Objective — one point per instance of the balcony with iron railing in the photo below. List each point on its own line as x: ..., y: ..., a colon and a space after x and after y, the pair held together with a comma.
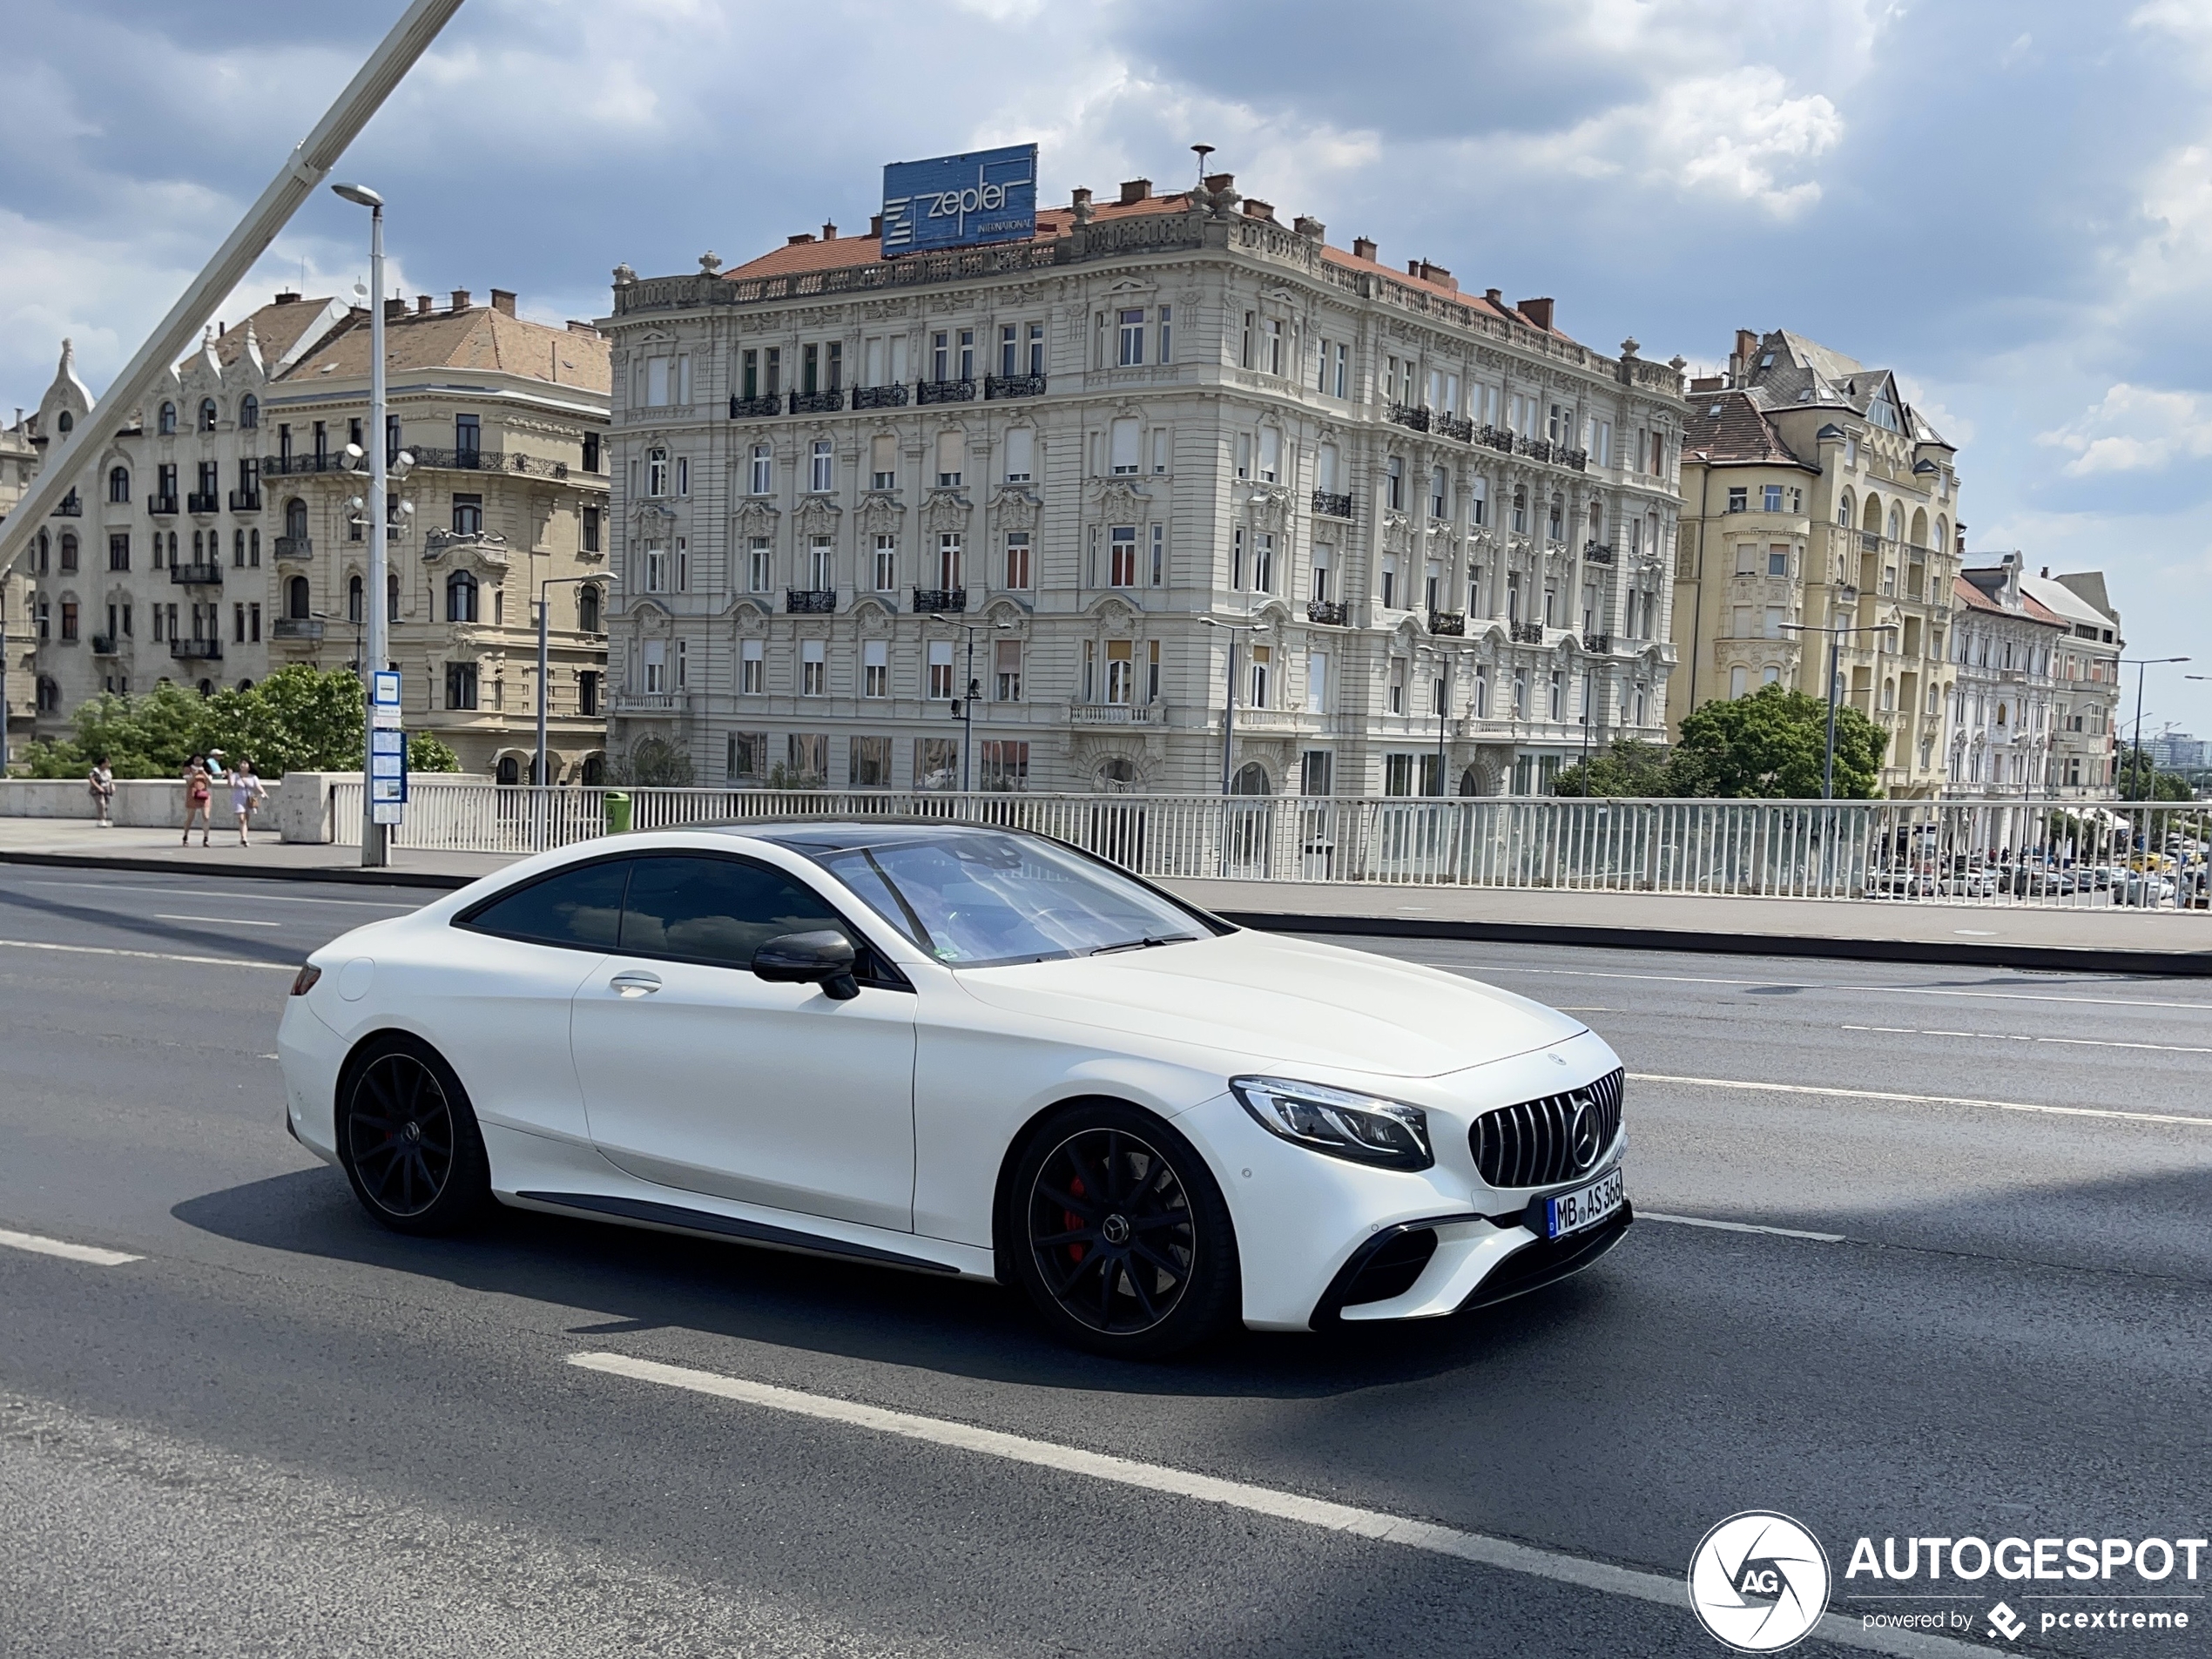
x: 753, y: 409
x: 203, y: 501
x: 1598, y: 552
x: 997, y: 386
x: 932, y: 601
x: 73, y: 508
x: 160, y: 506
x: 810, y: 602
x: 301, y: 465
x: 197, y: 576
x: 1498, y: 438
x: 1329, y: 504
x: 1455, y: 426
x: 1330, y: 613
x: 1525, y: 633
x: 1451, y: 623
x: 245, y: 500
x: 1598, y: 644
x: 295, y: 547
x: 196, y: 649
x: 1410, y: 415
x: 307, y: 631
x: 827, y: 402
x: 103, y: 644
x: 944, y: 391
x: 878, y: 397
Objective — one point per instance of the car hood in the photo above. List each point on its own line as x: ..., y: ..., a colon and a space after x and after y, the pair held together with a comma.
x: 1282, y: 1004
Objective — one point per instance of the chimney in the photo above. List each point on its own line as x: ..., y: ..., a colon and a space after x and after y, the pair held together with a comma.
x: 1739, y: 366
x: 1134, y: 191
x: 1709, y: 383
x: 1363, y: 248
x: 461, y: 299
x: 288, y: 298
x: 803, y: 236
x: 1496, y: 296
x: 221, y: 329
x: 875, y: 225
x: 1255, y: 208
x: 829, y: 232
x: 503, y: 300
x: 2046, y: 569
x: 422, y: 303
x: 1217, y: 182
x: 576, y: 328
x: 1538, y: 312
x: 394, y: 308
x: 1081, y: 198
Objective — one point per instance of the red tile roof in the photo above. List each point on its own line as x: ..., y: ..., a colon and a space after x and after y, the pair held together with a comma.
x: 1730, y: 427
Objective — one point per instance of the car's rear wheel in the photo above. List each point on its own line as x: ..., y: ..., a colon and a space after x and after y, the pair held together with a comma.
x: 1122, y: 1237
x: 409, y: 1139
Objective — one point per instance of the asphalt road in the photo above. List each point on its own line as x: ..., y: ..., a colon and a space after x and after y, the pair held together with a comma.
x: 284, y: 1430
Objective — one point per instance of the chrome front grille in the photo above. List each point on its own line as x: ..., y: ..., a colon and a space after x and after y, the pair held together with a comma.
x: 1540, y: 1142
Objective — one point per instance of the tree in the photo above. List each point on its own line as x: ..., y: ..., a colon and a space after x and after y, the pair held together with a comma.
x: 1770, y: 745
x: 1629, y: 769
x: 655, y: 762
x: 2137, y: 778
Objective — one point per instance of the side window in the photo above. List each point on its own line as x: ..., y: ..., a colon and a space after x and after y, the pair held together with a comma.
x: 716, y: 911
x: 581, y: 908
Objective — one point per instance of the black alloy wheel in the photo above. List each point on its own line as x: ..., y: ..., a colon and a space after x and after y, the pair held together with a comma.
x: 408, y: 1140
x: 1127, y: 1245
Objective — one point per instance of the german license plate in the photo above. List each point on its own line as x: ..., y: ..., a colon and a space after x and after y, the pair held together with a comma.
x: 1570, y: 1212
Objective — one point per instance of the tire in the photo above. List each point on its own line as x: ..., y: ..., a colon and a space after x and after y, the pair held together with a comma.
x: 408, y: 1138
x: 1147, y: 1272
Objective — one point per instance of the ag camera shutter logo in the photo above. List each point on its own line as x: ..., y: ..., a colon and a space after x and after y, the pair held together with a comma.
x: 1758, y: 1582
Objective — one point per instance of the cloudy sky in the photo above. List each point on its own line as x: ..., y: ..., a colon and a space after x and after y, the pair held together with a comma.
x: 2009, y: 203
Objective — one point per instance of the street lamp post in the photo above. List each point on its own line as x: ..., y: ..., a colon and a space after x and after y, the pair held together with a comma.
x: 541, y: 774
x: 964, y: 706
x: 2142, y: 666
x: 375, y: 851
x: 1229, y: 711
x: 1847, y: 597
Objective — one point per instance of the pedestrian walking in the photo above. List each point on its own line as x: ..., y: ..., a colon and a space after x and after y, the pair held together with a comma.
x: 197, y: 791
x: 247, y: 792
x: 101, y: 781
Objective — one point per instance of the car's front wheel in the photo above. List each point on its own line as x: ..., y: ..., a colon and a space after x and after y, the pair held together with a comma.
x: 1123, y: 1239
x: 409, y: 1139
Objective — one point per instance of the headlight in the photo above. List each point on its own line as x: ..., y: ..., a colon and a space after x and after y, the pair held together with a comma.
x: 1359, y: 1127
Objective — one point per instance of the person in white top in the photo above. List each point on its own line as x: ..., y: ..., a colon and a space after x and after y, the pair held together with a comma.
x: 247, y: 792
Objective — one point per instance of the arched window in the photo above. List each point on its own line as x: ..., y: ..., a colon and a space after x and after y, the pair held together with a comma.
x: 1118, y: 772
x: 1556, y: 524
x: 46, y: 554
x: 208, y: 414
x: 297, y: 601
x: 510, y: 770
x: 65, y: 423
x: 595, y: 770
x: 1943, y: 535
x: 392, y: 597
x: 1843, y: 510
x: 1251, y: 779
x: 68, y: 552
x: 118, y: 484
x: 237, y: 550
x: 295, y: 519
x: 1521, y: 512
x: 207, y: 688
x: 1897, y: 525
x: 354, y: 602
x: 249, y: 413
x: 246, y: 685
x: 253, y: 546
x: 168, y: 422
x: 587, y: 609
x: 50, y: 695
x: 461, y: 597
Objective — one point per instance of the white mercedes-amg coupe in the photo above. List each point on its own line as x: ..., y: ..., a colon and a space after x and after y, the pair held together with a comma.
x: 961, y: 1050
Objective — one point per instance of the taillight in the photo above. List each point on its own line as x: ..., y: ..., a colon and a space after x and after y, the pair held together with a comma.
x: 304, y: 980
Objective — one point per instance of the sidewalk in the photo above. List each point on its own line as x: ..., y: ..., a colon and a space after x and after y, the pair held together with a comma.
x: 2101, y: 939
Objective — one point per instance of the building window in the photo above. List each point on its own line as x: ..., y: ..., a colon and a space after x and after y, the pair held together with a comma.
x: 760, y: 565
x: 948, y: 460
x: 752, y: 671
x: 745, y: 755
x: 813, y: 672
x: 461, y: 686
x: 1132, y: 338
x: 1272, y: 341
x: 1398, y: 774
x: 119, y: 551
x: 1007, y: 669
x: 1017, y: 560
x: 1390, y: 581
x: 1396, y: 689
x: 118, y: 484
x: 467, y: 515
x: 821, y: 557
x: 657, y: 472
x: 1121, y: 562
x: 1036, y: 347
x: 1003, y: 764
x: 1778, y: 560
x: 764, y: 470
x: 939, y: 685
x: 1394, y: 486
x: 1264, y: 561
x: 1739, y: 498
x: 1020, y: 454
x: 1125, y: 445
x: 820, y: 468
x: 461, y: 597
x: 591, y: 530
x: 587, y: 608
x: 1159, y: 553
x: 885, y: 571
x: 1121, y: 665
x: 948, y: 560
x: 68, y: 552
x: 936, y: 763
x: 875, y: 668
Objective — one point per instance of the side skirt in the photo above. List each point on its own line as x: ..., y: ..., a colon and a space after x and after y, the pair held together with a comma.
x: 679, y: 1217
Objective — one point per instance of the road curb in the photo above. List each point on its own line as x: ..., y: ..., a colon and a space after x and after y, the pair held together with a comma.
x: 2055, y: 958
x: 387, y: 878
x: 2058, y: 959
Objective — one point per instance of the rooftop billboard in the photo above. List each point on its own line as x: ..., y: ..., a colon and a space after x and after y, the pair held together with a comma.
x: 960, y: 201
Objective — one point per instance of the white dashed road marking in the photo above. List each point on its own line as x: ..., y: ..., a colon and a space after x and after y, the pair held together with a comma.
x: 91, y: 1253
x: 2008, y: 1036
x: 1740, y: 1227
x: 220, y: 921
x: 1666, y: 1589
x: 145, y: 955
x: 1923, y: 1100
x: 1484, y: 968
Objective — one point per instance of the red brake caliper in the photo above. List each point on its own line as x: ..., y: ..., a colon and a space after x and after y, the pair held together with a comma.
x: 1070, y: 1220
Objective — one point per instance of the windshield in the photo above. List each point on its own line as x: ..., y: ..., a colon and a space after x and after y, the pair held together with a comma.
x: 975, y: 899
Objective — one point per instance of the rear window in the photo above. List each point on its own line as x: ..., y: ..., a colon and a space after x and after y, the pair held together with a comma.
x: 580, y: 908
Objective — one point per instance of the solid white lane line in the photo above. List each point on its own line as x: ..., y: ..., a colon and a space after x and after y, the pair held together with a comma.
x: 225, y: 922
x: 1923, y: 1100
x: 91, y: 1253
x: 144, y: 956
x: 1808, y: 985
x: 2008, y: 1036
x: 1665, y: 1589
x: 1739, y: 1227
x: 245, y: 898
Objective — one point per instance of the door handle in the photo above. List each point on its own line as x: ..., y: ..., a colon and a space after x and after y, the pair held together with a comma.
x: 635, y: 983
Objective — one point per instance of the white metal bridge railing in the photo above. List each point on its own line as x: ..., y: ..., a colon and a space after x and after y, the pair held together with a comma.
x: 2071, y: 855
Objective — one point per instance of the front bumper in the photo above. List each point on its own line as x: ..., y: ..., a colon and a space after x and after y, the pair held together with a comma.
x: 1315, y: 1234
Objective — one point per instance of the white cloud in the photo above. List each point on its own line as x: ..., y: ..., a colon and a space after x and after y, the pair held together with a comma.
x: 2135, y: 428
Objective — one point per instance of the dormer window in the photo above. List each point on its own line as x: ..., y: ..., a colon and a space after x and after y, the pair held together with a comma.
x: 208, y: 414
x: 166, y: 426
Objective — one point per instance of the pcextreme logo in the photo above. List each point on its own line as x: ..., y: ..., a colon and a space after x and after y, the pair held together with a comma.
x: 1758, y: 1581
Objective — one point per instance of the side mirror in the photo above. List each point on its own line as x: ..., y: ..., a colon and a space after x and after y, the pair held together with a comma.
x: 823, y: 958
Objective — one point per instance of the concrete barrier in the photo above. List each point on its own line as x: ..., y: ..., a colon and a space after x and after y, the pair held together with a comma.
x: 140, y: 803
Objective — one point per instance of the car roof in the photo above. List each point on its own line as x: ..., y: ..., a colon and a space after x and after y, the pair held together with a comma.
x: 837, y: 835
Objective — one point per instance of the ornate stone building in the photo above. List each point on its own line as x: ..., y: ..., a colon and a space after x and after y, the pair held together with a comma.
x: 1435, y: 529
x: 1814, y: 496
x: 2007, y: 654
x: 2087, y: 691
x: 214, y: 535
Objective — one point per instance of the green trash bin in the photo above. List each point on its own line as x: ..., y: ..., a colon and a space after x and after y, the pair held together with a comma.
x: 617, y: 812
